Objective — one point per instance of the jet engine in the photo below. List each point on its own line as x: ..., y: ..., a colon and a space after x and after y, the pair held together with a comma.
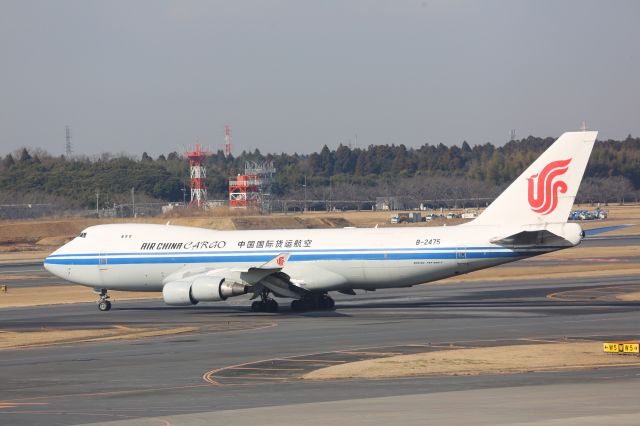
x: 202, y: 289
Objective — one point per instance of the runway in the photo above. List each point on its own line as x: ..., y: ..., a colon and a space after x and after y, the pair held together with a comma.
x: 250, y: 376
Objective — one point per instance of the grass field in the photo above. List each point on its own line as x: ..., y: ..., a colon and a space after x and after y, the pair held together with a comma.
x: 474, y: 361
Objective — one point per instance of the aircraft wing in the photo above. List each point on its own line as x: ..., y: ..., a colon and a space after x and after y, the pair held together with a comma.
x: 249, y: 275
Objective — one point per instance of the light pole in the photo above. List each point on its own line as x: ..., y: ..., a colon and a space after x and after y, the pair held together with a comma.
x: 133, y: 202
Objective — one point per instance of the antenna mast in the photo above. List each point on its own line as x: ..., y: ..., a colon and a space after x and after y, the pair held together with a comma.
x: 227, y: 141
x: 68, y: 149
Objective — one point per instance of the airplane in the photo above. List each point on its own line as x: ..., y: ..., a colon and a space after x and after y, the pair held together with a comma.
x: 191, y: 265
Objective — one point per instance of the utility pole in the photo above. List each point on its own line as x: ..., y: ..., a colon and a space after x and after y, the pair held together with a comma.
x: 133, y: 201
x: 305, y: 195
x: 330, y: 191
x: 97, y: 202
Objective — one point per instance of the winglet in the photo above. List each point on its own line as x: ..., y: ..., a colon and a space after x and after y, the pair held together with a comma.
x: 277, y: 262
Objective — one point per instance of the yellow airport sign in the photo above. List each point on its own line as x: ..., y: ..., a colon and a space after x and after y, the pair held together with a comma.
x: 631, y: 348
x: 612, y: 347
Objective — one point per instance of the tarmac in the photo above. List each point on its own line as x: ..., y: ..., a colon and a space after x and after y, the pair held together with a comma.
x: 217, y: 376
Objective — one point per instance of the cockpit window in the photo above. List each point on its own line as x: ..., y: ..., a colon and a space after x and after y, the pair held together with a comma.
x: 82, y: 235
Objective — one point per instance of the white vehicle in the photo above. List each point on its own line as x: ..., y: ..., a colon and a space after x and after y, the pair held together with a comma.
x: 191, y: 265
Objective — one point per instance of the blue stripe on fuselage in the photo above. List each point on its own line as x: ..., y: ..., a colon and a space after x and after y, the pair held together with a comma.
x: 275, y: 251
x: 265, y: 257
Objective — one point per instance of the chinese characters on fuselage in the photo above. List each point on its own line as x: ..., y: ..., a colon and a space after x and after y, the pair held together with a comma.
x: 250, y: 244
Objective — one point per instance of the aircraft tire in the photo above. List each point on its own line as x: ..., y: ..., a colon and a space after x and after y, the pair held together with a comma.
x: 104, y: 305
x: 256, y: 306
x: 328, y: 303
x: 309, y: 304
x: 296, y: 306
x: 271, y: 306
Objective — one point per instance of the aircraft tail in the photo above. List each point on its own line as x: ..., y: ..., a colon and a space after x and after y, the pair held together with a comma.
x: 545, y: 192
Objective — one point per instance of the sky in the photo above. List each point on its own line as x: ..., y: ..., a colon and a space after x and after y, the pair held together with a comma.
x: 292, y: 75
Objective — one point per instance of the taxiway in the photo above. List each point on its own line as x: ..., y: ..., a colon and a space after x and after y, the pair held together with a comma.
x: 251, y: 376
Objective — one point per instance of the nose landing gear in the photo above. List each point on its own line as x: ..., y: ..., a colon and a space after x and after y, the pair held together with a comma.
x: 103, y: 302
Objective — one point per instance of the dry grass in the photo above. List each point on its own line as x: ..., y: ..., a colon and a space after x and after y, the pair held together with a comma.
x: 549, y: 272
x: 629, y: 297
x: 585, y: 252
x: 17, y: 297
x: 23, y: 255
x: 21, y: 339
x: 493, y: 360
x: 53, y: 232
x: 12, y: 277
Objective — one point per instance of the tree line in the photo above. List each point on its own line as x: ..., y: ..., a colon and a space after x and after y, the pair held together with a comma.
x: 428, y: 172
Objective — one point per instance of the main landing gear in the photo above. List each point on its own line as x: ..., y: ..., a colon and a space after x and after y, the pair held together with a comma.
x: 265, y: 304
x: 313, y: 302
x: 103, y: 303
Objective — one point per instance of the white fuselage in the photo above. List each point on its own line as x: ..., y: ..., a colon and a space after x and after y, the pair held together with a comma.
x: 139, y: 257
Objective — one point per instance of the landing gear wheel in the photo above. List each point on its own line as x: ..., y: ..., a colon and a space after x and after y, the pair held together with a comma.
x: 271, y: 305
x: 103, y: 303
x: 297, y: 306
x: 313, y: 302
x: 265, y: 305
x: 327, y: 303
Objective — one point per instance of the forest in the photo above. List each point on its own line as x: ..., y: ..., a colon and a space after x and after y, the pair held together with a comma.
x: 424, y: 174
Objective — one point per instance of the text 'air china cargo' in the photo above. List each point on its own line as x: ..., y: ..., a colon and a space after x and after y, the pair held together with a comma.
x: 191, y: 265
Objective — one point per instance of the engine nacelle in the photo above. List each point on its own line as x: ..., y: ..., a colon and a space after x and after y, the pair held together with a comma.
x: 178, y: 293
x: 214, y: 289
x: 202, y: 289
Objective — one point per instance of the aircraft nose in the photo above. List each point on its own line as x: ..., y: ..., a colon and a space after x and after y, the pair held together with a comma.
x: 53, y: 264
x: 47, y: 264
x: 50, y: 266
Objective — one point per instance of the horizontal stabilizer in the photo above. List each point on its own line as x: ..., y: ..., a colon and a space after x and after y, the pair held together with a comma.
x: 526, y: 239
x: 596, y: 231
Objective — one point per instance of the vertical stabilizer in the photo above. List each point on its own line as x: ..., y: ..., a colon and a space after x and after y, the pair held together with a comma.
x: 545, y: 192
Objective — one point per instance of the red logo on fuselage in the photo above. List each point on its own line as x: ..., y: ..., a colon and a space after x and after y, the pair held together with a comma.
x: 280, y: 261
x: 544, y: 187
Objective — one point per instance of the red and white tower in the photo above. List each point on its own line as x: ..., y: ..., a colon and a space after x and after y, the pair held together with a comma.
x: 253, y: 189
x: 244, y: 192
x: 198, y: 172
x: 227, y: 141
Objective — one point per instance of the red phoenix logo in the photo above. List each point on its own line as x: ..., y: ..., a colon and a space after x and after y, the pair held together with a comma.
x: 544, y: 187
x: 280, y: 261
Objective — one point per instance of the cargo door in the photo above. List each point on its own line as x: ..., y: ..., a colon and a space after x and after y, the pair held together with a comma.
x: 461, y: 259
x: 103, y: 262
